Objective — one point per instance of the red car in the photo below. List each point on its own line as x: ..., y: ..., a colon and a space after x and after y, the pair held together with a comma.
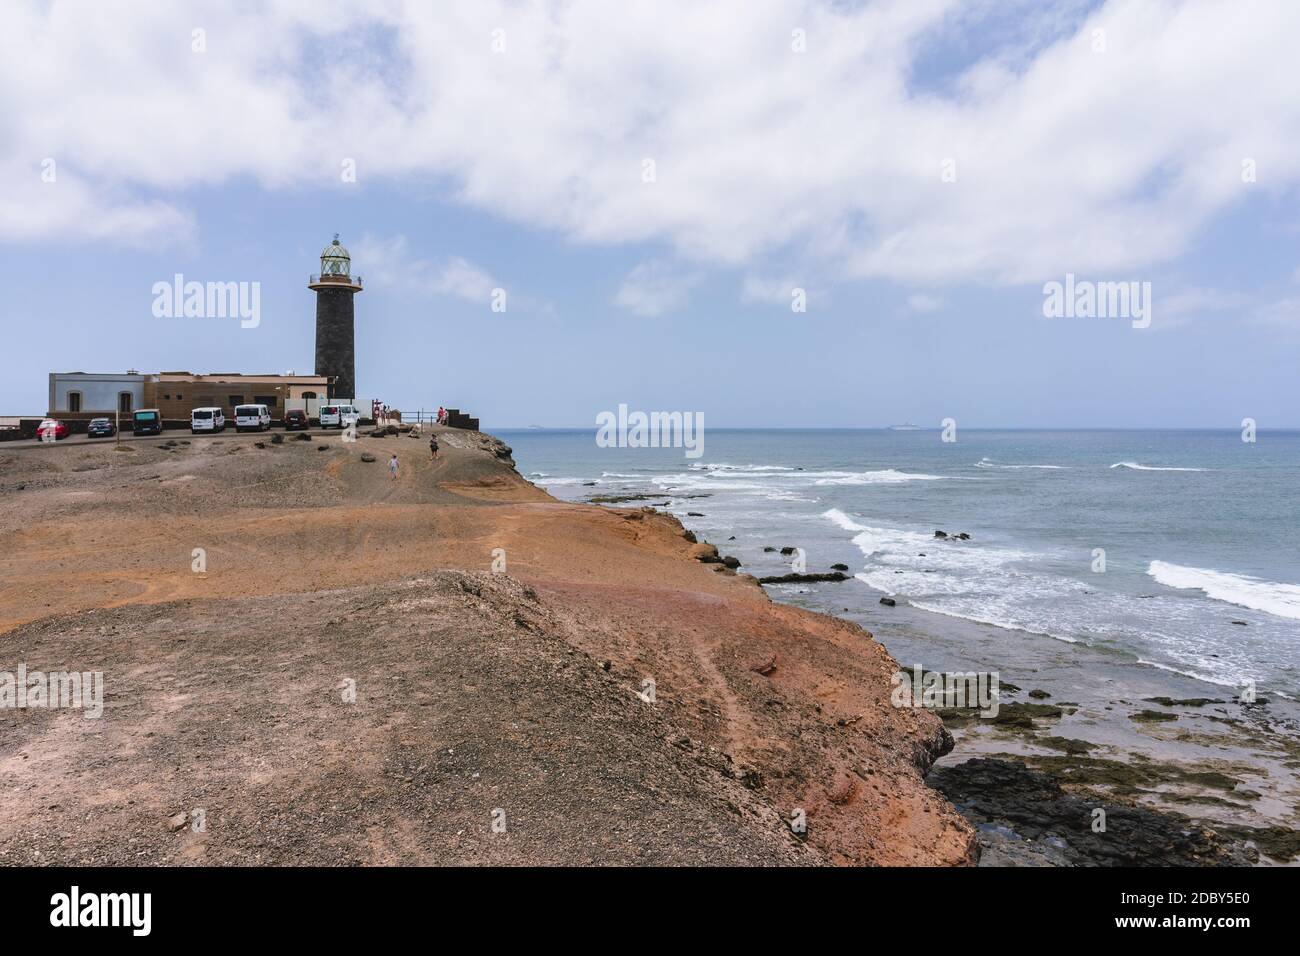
x: 52, y: 430
x: 295, y: 418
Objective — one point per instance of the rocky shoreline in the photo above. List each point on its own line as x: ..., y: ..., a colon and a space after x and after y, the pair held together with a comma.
x: 1031, y: 789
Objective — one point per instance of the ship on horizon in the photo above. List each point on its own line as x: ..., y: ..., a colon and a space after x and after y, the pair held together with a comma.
x: 905, y: 427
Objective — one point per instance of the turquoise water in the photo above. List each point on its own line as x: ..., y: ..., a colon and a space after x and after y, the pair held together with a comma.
x: 1200, y: 530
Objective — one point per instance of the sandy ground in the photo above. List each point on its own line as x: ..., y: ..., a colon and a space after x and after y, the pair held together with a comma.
x: 567, y: 671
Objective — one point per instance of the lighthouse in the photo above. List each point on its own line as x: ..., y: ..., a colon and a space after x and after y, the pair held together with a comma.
x: 335, y: 334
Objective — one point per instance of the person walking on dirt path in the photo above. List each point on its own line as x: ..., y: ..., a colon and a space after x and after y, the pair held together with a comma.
x: 433, y: 447
x: 392, y: 467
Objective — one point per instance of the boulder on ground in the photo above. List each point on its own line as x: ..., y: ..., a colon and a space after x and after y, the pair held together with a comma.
x: 366, y: 456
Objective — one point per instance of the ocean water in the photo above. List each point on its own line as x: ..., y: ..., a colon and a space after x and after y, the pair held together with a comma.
x: 1199, y: 529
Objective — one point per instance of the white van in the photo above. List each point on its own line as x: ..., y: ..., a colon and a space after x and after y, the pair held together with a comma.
x: 338, y: 416
x: 254, y: 417
x: 207, y: 420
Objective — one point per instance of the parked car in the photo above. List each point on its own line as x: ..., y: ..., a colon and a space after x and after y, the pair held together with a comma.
x: 295, y: 419
x: 101, y: 428
x: 51, y: 429
x: 252, y: 418
x: 338, y: 416
x: 147, y: 421
x: 207, y: 420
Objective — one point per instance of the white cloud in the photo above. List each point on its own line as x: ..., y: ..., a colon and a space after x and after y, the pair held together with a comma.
x: 1184, y: 306
x: 653, y: 288
x: 462, y: 278
x: 770, y: 291
x: 1283, y: 313
x: 923, y: 302
x: 389, y: 263
x: 1066, y: 160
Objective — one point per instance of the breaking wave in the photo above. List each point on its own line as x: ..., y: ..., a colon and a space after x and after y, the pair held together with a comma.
x: 1282, y: 600
x: 1136, y: 467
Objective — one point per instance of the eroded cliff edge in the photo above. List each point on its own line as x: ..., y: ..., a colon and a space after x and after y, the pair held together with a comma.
x: 570, y: 669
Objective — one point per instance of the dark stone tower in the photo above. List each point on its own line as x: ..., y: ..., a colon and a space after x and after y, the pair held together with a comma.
x: 335, y: 338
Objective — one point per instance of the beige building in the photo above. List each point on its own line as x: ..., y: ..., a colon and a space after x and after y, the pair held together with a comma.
x: 75, y: 396
x: 176, y: 393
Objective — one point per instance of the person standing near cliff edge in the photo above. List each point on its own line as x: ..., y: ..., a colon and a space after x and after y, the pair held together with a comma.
x: 433, y: 447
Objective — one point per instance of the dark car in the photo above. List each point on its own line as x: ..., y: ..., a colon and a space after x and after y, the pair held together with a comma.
x: 295, y: 419
x: 101, y: 428
x: 147, y: 421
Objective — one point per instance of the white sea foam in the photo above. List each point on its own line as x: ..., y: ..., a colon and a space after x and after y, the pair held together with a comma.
x: 724, y: 466
x: 976, y: 582
x: 724, y: 476
x: 987, y: 617
x: 1282, y: 600
x: 843, y: 520
x: 886, y: 476
x: 1136, y: 467
x: 990, y: 463
x: 688, y: 483
x: 780, y: 495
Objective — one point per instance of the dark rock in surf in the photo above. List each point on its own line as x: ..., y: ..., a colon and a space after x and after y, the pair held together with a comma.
x: 803, y: 578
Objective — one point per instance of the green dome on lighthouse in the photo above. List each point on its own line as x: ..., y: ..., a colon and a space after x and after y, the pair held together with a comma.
x: 334, y: 259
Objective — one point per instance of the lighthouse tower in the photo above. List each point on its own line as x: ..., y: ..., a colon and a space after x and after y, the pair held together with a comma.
x: 335, y: 336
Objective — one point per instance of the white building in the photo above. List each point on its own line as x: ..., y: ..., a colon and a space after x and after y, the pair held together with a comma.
x: 104, y: 392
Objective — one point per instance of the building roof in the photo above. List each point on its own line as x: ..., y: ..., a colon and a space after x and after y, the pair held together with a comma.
x: 238, y: 376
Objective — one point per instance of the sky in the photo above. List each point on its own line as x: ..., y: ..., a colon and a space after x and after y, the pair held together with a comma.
x: 653, y: 188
